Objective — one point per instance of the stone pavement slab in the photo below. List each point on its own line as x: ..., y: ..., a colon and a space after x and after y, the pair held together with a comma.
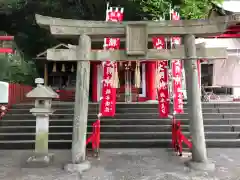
x: 124, y: 164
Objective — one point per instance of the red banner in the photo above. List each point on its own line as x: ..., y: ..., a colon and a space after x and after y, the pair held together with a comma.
x: 177, y: 86
x: 108, y: 102
x: 112, y: 43
x: 115, y: 14
x: 175, y: 40
x: 158, y: 42
x: 162, y: 89
x: 162, y: 84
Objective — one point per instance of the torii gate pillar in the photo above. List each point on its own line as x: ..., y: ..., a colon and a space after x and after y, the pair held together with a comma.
x: 79, y: 163
x: 199, y: 153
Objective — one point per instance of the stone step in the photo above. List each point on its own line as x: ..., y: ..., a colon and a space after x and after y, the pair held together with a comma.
x: 127, y: 115
x: 130, y: 143
x: 128, y: 110
x: 117, y: 122
x: 118, y: 135
x: 116, y: 128
x: 133, y: 105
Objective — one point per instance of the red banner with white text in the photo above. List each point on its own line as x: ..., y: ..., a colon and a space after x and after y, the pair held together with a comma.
x: 159, y: 42
x: 162, y: 89
x: 108, y: 102
x: 162, y: 78
x: 177, y: 72
x: 177, y: 86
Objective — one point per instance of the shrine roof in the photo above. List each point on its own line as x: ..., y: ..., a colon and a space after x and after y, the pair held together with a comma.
x: 43, y: 54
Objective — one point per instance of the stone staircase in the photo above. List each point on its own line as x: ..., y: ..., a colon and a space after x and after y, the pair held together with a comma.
x: 134, y: 126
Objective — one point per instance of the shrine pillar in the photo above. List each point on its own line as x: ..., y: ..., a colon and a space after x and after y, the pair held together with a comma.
x: 150, y: 80
x: 94, y: 82
x: 199, y: 159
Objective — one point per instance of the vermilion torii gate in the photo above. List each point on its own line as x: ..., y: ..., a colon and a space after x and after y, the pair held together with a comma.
x: 136, y: 35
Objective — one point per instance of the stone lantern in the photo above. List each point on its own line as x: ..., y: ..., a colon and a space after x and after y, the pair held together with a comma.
x: 43, y: 96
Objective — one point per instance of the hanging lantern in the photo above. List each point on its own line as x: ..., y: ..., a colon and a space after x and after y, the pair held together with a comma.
x: 137, y: 75
x: 63, y: 68
x: 54, y: 67
x: 115, y: 77
x: 72, y: 68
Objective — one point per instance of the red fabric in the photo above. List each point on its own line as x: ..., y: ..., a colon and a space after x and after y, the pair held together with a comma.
x: 6, y: 38
x: 163, y: 95
x: 6, y: 50
x: 177, y: 86
x: 94, y: 82
x: 108, y: 101
x: 150, y: 80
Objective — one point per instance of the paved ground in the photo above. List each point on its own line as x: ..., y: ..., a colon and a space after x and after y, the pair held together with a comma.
x: 125, y: 164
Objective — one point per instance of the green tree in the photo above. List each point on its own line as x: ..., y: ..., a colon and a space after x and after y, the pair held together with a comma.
x: 189, y: 9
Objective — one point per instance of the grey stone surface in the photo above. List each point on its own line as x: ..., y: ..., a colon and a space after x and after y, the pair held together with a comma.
x: 178, y: 53
x: 125, y: 164
x: 195, y: 115
x: 81, y: 101
x: 77, y: 168
x: 201, y: 166
x: 36, y: 160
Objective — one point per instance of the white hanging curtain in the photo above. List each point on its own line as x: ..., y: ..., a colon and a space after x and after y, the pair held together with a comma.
x: 226, y: 72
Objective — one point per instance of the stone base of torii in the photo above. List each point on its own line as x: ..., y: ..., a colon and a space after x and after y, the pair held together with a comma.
x: 137, y: 35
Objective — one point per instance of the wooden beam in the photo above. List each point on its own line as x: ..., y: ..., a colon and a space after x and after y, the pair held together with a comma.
x: 45, y: 73
x: 6, y: 50
x: 6, y: 38
x: 226, y: 36
x: 120, y: 55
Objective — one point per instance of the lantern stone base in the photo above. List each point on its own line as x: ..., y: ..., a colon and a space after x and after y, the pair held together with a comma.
x: 79, y: 168
x: 201, y: 166
x: 37, y: 160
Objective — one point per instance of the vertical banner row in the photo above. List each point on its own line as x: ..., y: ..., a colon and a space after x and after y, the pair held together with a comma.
x: 177, y: 86
x: 177, y: 69
x: 162, y: 90
x: 162, y: 79
x: 108, y: 99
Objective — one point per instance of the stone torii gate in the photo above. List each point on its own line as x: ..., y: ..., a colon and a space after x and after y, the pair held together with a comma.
x: 136, y: 36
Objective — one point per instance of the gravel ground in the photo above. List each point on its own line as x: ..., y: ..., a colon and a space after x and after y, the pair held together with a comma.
x: 124, y: 164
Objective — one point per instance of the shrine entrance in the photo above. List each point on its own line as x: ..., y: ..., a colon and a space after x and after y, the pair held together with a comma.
x: 129, y: 89
x: 137, y: 35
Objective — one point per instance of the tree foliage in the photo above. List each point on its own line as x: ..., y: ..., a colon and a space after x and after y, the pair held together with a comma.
x: 188, y: 9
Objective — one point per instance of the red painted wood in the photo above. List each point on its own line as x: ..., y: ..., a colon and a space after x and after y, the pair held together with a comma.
x: 94, y: 82
x: 150, y: 80
x: 6, y: 38
x: 226, y: 36
x: 6, y: 50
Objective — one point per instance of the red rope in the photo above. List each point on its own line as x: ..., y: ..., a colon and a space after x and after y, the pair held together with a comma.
x: 178, y: 138
x: 94, y: 138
